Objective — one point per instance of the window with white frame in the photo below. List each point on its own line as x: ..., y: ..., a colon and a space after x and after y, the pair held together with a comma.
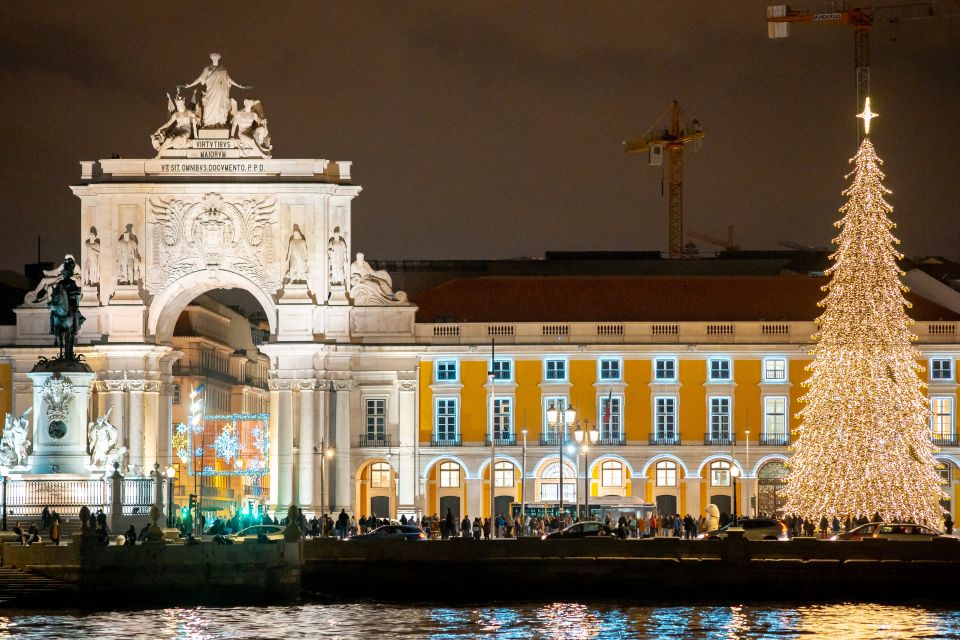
x: 550, y: 483
x: 611, y: 474
x: 376, y: 413
x: 446, y: 371
x: 665, y: 370
x: 502, y: 418
x: 719, y: 417
x: 611, y: 417
x: 380, y: 475
x: 941, y: 369
x: 775, y: 416
x: 176, y: 394
x: 446, y: 427
x: 611, y: 369
x: 720, y: 473
x: 774, y: 370
x: 504, y: 474
x: 449, y: 475
x: 665, y: 417
x: 719, y: 369
x: 941, y: 410
x: 555, y: 370
x: 666, y: 473
x: 502, y: 370
x: 560, y: 404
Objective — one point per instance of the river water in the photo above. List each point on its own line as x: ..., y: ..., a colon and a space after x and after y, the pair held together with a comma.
x: 557, y: 620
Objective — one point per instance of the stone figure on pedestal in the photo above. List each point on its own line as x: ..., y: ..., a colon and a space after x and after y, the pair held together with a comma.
x: 216, y: 93
x: 250, y: 128
x: 338, y: 257
x: 63, y: 300
x: 128, y: 257
x: 102, y: 438
x: 372, y: 288
x: 178, y: 130
x: 297, y: 257
x: 41, y: 294
x: 91, y: 259
x: 13, y: 445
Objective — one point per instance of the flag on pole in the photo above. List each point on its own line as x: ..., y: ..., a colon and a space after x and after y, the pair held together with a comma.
x: 607, y: 415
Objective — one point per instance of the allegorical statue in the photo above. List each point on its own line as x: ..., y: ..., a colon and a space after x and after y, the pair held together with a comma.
x: 91, y: 259
x: 297, y: 256
x: 14, y: 443
x: 176, y: 132
x: 250, y: 127
x: 63, y: 300
x: 338, y: 257
x: 128, y: 257
x: 216, y: 83
x: 102, y: 438
x: 372, y: 288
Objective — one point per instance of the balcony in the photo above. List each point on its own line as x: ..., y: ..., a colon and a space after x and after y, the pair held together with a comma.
x: 664, y: 440
x: 374, y: 440
x: 446, y: 441
x: 508, y: 440
x: 945, y: 439
x: 552, y: 439
x: 612, y: 440
x: 774, y: 440
x: 719, y: 440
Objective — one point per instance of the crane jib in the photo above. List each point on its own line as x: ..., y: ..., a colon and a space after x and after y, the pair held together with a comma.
x: 827, y: 16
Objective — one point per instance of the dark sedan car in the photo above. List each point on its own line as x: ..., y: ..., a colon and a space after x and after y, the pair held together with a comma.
x: 582, y: 530
x: 394, y: 532
x: 890, y: 531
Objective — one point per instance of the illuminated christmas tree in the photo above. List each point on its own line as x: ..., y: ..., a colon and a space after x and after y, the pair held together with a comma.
x: 864, y: 445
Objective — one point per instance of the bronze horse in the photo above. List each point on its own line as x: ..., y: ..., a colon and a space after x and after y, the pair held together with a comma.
x: 65, y: 318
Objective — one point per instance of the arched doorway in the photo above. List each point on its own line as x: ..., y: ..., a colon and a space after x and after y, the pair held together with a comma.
x: 548, y: 483
x: 666, y: 476
x: 446, y: 485
x: 720, y: 479
x: 771, y: 479
x: 376, y: 490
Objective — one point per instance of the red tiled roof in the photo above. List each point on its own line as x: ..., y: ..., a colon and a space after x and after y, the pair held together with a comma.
x: 635, y: 299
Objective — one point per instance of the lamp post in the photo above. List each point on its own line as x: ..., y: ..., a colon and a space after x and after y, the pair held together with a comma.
x: 564, y: 417
x: 324, y: 452
x: 523, y: 480
x: 734, y: 472
x: 171, y: 474
x: 584, y: 440
x: 5, y: 472
x: 749, y: 488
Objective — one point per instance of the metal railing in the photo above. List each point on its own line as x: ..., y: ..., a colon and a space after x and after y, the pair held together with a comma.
x: 774, y: 439
x: 945, y: 439
x: 552, y: 439
x: 612, y: 439
x: 502, y: 441
x: 722, y: 439
x: 446, y: 441
x: 374, y: 440
x: 29, y: 497
x: 136, y: 495
x: 664, y: 440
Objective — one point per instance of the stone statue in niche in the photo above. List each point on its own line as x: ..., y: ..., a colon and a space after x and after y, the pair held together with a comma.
x: 297, y: 257
x: 176, y: 132
x: 102, y: 438
x: 250, y: 128
x: 372, y: 288
x: 128, y: 257
x: 215, y: 103
x: 91, y: 259
x: 13, y: 445
x: 338, y: 257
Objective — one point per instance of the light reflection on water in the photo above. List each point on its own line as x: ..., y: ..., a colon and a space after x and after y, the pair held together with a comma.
x: 568, y: 620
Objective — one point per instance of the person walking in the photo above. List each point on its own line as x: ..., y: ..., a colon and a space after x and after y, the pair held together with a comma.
x: 55, y: 529
x: 465, y: 529
x: 343, y: 523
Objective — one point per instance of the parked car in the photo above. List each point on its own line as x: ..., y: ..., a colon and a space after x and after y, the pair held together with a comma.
x: 753, y: 529
x: 394, y: 532
x: 582, y: 530
x: 890, y: 531
x: 273, y: 532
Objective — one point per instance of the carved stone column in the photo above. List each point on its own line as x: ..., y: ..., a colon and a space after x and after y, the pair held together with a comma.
x: 341, y: 485
x: 151, y: 423
x: 136, y: 429
x: 323, y: 431
x: 305, y: 474
x: 281, y: 457
x: 407, y: 427
x: 164, y: 425
x: 116, y: 405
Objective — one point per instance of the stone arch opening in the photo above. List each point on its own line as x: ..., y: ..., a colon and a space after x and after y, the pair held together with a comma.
x: 771, y: 482
x: 376, y: 489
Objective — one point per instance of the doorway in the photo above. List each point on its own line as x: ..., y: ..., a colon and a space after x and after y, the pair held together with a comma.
x: 452, y: 503
x: 380, y: 506
x: 667, y: 505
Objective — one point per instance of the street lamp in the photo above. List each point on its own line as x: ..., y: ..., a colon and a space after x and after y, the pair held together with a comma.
x: 734, y: 472
x: 171, y: 477
x: 523, y: 480
x: 584, y: 440
x: 5, y: 472
x: 324, y: 452
x: 565, y: 417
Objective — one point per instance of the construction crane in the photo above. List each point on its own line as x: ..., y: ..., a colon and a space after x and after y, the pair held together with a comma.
x: 654, y: 143
x: 728, y: 244
x: 862, y: 20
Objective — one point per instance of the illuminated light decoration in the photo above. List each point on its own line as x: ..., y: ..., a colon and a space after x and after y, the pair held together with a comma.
x: 864, y: 445
x: 179, y: 442
x: 227, y: 444
x: 243, y: 444
x: 866, y: 115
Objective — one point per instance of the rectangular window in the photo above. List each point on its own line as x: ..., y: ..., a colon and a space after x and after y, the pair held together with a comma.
x: 503, y: 474
x: 611, y: 474
x: 665, y: 370
x: 775, y: 415
x: 502, y: 418
x: 560, y: 403
x: 774, y: 370
x: 941, y: 408
x: 719, y: 418
x: 666, y: 475
x: 719, y: 369
x: 446, y: 419
x: 446, y: 371
x: 941, y: 369
x: 449, y: 475
x: 665, y: 417
x: 555, y: 370
x: 610, y: 369
x: 502, y: 370
x: 611, y: 417
x: 719, y: 476
x: 176, y: 394
x: 376, y: 418
x: 380, y: 476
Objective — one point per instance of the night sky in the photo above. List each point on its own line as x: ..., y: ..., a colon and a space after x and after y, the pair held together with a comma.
x: 494, y: 129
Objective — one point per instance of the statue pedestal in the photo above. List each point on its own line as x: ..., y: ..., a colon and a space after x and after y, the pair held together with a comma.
x: 338, y: 296
x: 126, y: 294
x: 295, y: 314
x: 91, y: 297
x: 67, y: 453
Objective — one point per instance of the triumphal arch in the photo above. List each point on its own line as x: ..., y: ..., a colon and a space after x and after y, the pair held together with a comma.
x: 213, y: 208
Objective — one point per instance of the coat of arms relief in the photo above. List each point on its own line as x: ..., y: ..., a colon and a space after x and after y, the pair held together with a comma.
x: 186, y: 236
